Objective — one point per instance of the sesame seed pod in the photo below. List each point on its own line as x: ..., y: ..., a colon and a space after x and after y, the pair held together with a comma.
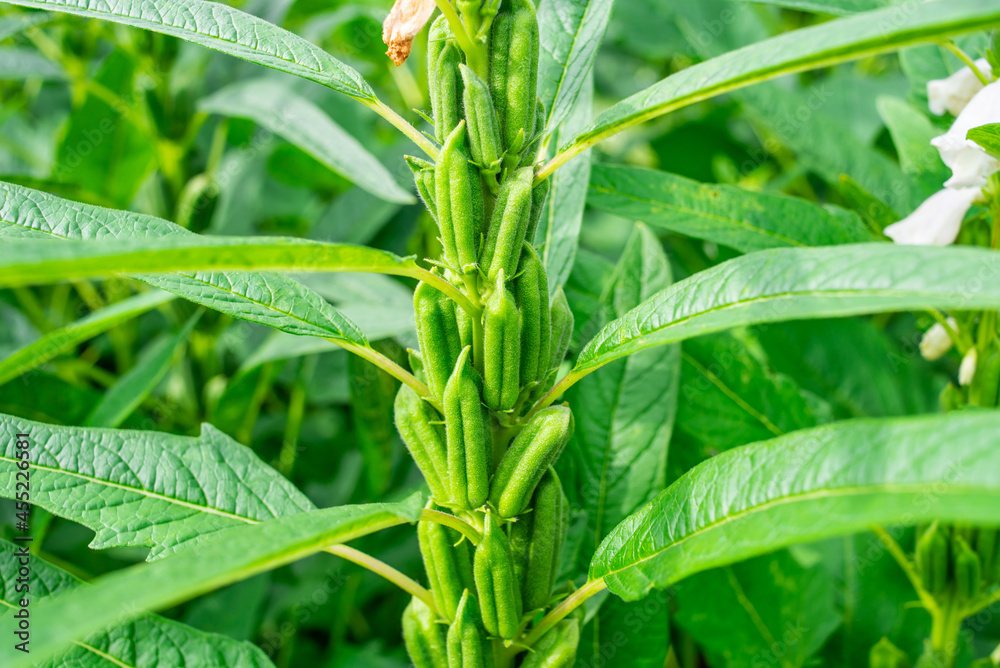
x: 508, y: 226
x: 415, y: 420
x: 496, y: 586
x: 501, y: 348
x: 438, y: 334
x: 468, y: 436
x: 424, y: 636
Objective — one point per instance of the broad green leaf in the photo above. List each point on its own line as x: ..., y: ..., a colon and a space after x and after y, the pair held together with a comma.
x: 618, y: 454
x: 571, y: 33
x: 59, y: 341
x: 850, y: 475
x: 821, y: 45
x: 148, y: 641
x: 728, y: 398
x: 558, y: 231
x: 48, y: 398
x: 40, y: 261
x: 835, y: 7
x: 855, y: 366
x: 147, y: 489
x: 274, y: 105
x: 18, y: 63
x: 796, y: 283
x: 135, y: 385
x: 12, y: 24
x: 225, y: 29
x: 728, y: 215
x: 911, y: 133
x: 266, y: 298
x: 229, y: 556
x: 775, y: 610
x: 987, y: 136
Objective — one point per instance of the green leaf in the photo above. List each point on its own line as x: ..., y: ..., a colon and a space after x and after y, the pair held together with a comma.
x: 229, y: 556
x: 122, y: 398
x: 821, y: 45
x: 987, y: 136
x: 274, y: 105
x: 618, y: 453
x: 14, y: 24
x: 18, y: 63
x: 911, y: 133
x: 835, y: 7
x: 265, y: 298
x: 728, y: 215
x: 147, y: 641
x: 41, y: 261
x: 773, y: 610
x: 571, y: 32
x: 182, y: 489
x: 806, y: 486
x: 225, y: 29
x: 58, y: 341
x: 796, y: 283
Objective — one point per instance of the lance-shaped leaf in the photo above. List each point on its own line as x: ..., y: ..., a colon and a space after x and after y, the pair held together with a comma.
x: 225, y: 29
x: 277, y: 107
x: 821, y: 45
x: 799, y: 283
x: 738, y: 218
x: 148, y: 641
x: 266, y: 298
x: 836, y: 7
x: 58, y: 341
x: 147, y: 489
x: 806, y: 486
x: 571, y: 33
x: 226, y: 557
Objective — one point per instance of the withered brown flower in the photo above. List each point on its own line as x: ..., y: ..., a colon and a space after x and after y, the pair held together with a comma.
x: 403, y: 23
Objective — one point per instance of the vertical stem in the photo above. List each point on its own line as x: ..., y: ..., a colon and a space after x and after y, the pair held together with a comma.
x: 947, y: 623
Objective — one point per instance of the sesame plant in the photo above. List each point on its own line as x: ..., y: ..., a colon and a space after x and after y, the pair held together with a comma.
x: 829, y: 497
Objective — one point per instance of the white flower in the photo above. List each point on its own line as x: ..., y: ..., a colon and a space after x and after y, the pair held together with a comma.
x: 404, y: 22
x: 969, y: 163
x: 967, y: 371
x: 953, y: 93
x: 937, y: 221
x: 937, y: 341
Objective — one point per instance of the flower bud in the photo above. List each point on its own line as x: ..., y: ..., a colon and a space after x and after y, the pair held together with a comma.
x: 937, y: 341
x: 967, y: 371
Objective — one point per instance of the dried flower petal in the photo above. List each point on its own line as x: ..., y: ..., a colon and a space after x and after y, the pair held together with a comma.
x: 404, y: 22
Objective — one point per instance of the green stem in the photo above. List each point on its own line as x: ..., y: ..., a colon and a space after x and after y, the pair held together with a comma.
x: 947, y: 623
x: 475, y: 55
x: 417, y: 137
x: 964, y: 57
x: 385, y: 570
x: 452, y: 522
x: 475, y: 312
x: 926, y: 599
x: 558, y: 389
x: 390, y: 367
x: 575, y: 600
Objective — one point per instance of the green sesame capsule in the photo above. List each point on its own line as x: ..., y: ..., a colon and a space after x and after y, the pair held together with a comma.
x: 443, y: 58
x: 501, y: 349
x: 562, y: 328
x: 466, y: 646
x: 423, y: 177
x: 514, y: 70
x: 528, y: 458
x: 531, y: 151
x: 482, y: 122
x: 538, y: 196
x: 459, y: 199
x: 932, y: 559
x: 424, y: 636
x: 886, y: 655
x: 508, y: 226
x: 557, y: 648
x: 468, y: 436
x: 531, y: 291
x: 448, y: 562
x: 437, y: 330
x: 968, y: 569
x: 550, y: 521
x: 496, y: 585
x: 417, y: 422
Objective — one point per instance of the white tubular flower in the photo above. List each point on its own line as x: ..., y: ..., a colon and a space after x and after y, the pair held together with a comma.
x: 953, y: 93
x: 969, y: 163
x: 937, y: 221
x: 967, y: 371
x: 937, y: 341
x: 404, y: 22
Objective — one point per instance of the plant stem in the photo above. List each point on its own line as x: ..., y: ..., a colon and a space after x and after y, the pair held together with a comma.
x: 385, y: 570
x: 911, y: 574
x: 557, y: 390
x: 456, y: 295
x: 391, y: 368
x: 969, y: 62
x: 947, y: 623
x: 475, y: 55
x: 452, y: 522
x: 417, y: 137
x: 558, y: 613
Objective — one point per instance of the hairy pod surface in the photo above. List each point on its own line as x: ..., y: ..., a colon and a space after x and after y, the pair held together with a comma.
x: 557, y: 648
x: 482, y: 123
x: 418, y: 425
x: 932, y: 559
x: 538, y: 197
x: 423, y: 177
x: 501, y: 349
x: 968, y: 569
x: 514, y: 71
x: 548, y: 530
x: 438, y: 334
x: 424, y: 636
x: 468, y: 436
x: 562, y: 329
x: 443, y: 58
x: 448, y: 562
x: 459, y: 197
x: 508, y: 226
x: 531, y: 151
x: 466, y: 648
x: 496, y: 585
x: 531, y: 291
x: 528, y: 458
